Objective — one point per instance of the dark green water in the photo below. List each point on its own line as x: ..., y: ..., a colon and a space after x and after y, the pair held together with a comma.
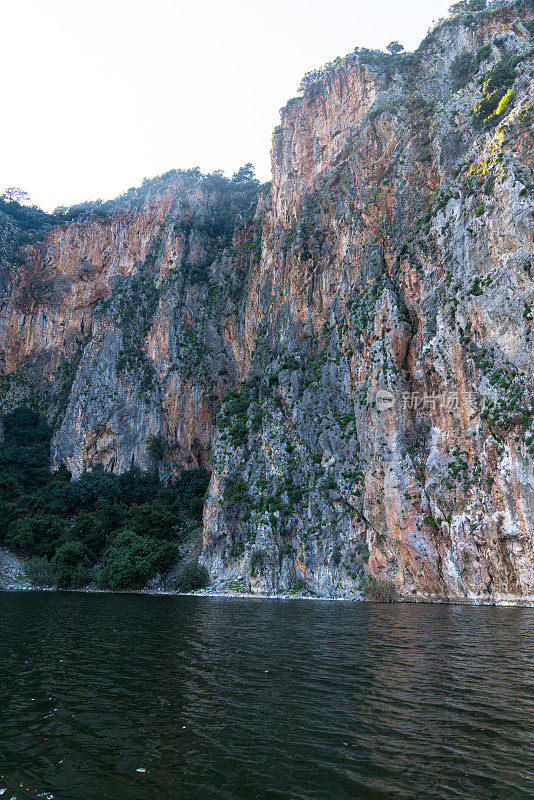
x: 263, y: 699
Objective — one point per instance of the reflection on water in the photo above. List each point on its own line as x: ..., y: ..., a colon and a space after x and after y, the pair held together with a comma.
x: 127, y: 697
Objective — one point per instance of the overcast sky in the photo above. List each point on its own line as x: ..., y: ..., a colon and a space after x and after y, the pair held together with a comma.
x: 98, y: 95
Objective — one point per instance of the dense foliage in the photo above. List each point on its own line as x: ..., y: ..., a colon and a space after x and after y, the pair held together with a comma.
x: 20, y: 224
x: 115, y: 530
x: 193, y: 576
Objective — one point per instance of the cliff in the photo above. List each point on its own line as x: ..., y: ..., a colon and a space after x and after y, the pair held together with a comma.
x: 118, y: 324
x: 365, y: 321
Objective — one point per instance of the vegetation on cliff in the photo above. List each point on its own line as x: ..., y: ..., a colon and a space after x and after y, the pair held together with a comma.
x: 397, y: 62
x: 20, y: 224
x: 117, y: 531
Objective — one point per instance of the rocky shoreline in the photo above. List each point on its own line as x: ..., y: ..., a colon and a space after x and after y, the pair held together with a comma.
x: 13, y: 579
x: 507, y: 602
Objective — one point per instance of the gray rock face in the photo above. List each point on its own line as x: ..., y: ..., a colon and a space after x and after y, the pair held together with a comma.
x: 385, y: 428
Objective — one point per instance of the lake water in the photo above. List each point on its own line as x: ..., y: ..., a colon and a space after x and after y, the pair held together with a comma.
x: 225, y: 698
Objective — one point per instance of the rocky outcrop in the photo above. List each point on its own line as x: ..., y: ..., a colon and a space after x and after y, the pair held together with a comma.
x: 366, y: 321
x: 12, y: 574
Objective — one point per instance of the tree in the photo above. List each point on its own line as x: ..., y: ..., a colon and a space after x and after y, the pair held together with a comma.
x: 196, y: 508
x: 395, y: 48
x: 71, y: 565
x: 193, y: 576
x: 158, y: 519
x: 193, y: 483
x: 131, y: 560
x: 128, y: 521
x: 156, y: 446
x: 36, y: 535
x: 462, y: 69
x: 313, y: 76
x: 467, y: 5
x: 39, y: 571
x: 15, y: 195
x: 244, y: 174
x: 88, y: 529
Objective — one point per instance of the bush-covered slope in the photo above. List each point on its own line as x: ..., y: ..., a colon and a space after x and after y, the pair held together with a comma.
x: 116, y: 531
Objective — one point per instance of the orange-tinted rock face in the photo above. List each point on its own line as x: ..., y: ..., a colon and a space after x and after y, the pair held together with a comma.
x: 387, y: 306
x: 118, y: 324
x: 314, y: 134
x: 68, y: 273
x: 374, y: 315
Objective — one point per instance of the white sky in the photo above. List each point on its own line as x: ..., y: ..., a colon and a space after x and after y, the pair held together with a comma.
x: 98, y: 95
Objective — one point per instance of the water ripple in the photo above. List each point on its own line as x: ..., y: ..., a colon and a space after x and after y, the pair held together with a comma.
x: 112, y: 697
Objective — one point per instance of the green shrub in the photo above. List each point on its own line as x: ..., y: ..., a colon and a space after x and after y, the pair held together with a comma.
x: 156, y: 446
x: 239, y: 432
x: 28, y: 224
x: 258, y: 560
x: 25, y: 450
x: 193, y: 576
x: 489, y: 186
x: 35, y: 535
x: 236, y: 491
x: 379, y: 590
x: 196, y: 508
x: 476, y: 288
x: 496, y: 93
x: 192, y: 484
x: 82, y: 515
x: 463, y: 6
x: 39, y: 572
x: 93, y: 528
x: 505, y: 102
x: 131, y: 560
x: 462, y: 70
x: 483, y: 53
x: 157, y: 519
x: 237, y: 549
x: 330, y: 483
x: 71, y: 565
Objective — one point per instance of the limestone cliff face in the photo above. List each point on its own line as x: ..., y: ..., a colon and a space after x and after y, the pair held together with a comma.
x: 372, y: 319
x: 385, y: 426
x: 119, y: 324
